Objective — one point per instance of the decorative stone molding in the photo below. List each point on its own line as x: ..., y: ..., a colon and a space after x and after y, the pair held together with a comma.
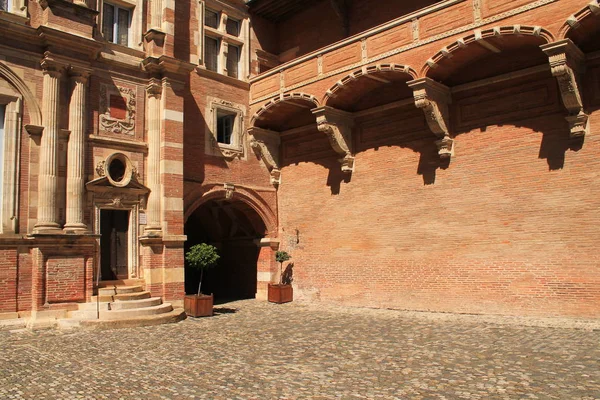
x: 117, y: 109
x: 235, y: 149
x: 433, y: 98
x: 309, y: 98
x: 567, y: 63
x: 265, y: 144
x: 229, y: 189
x: 337, y: 125
x: 574, y: 20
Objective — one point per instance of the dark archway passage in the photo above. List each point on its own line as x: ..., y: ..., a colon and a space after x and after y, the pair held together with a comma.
x: 233, y: 227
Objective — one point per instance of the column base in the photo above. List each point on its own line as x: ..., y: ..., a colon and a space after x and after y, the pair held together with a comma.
x: 76, y: 229
x: 47, y: 227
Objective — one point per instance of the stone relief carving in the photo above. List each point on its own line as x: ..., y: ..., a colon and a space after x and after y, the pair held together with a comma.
x: 337, y: 125
x: 433, y: 98
x: 566, y: 64
x: 229, y: 189
x: 101, y: 168
x: 117, y: 118
x: 265, y: 144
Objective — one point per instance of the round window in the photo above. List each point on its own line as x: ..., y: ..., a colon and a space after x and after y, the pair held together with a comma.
x: 118, y: 169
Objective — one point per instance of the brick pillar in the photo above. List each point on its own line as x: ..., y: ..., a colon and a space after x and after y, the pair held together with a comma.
x: 266, y: 268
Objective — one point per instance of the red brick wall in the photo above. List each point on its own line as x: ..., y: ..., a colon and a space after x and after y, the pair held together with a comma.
x: 65, y: 279
x: 8, y: 280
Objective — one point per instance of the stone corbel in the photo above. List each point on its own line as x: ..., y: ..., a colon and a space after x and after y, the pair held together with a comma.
x: 265, y: 144
x: 433, y: 98
x: 337, y: 125
x: 567, y: 64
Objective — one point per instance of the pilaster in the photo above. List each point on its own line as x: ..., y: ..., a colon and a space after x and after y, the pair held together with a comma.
x: 265, y: 144
x: 153, y: 101
x: 76, y: 153
x: 433, y: 98
x: 337, y: 125
x: 567, y: 63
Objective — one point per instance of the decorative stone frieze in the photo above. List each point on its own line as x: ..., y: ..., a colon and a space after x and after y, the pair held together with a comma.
x: 337, y: 125
x: 567, y: 64
x: 433, y: 98
x: 117, y: 109
x: 265, y: 144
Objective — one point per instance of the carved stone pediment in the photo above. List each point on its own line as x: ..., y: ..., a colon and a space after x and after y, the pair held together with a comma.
x: 433, y: 98
x: 265, y: 144
x: 567, y: 64
x: 102, y: 185
x: 337, y: 125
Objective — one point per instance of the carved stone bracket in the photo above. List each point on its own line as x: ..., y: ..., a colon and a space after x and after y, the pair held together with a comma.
x: 433, y: 98
x: 229, y: 189
x: 567, y: 63
x: 265, y: 144
x: 337, y: 125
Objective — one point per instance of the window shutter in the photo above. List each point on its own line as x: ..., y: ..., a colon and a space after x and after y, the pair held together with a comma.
x: 211, y: 52
x: 108, y: 20
x: 123, y: 27
x: 233, y: 59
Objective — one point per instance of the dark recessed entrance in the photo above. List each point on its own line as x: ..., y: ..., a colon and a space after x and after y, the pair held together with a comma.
x: 233, y: 227
x: 114, y: 231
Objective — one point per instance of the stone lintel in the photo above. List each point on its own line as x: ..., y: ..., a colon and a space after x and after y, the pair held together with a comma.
x: 337, y: 125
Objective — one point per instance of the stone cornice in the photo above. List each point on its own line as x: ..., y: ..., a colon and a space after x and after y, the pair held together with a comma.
x: 69, y: 45
x: 337, y: 125
x: 168, y: 67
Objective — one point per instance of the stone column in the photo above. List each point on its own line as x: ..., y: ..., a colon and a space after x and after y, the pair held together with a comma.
x: 47, y: 218
x: 76, y: 155
x: 154, y: 93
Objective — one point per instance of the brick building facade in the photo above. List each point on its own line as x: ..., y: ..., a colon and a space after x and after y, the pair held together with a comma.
x: 433, y: 155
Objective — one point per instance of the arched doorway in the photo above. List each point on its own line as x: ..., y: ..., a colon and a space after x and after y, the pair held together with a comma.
x: 235, y: 229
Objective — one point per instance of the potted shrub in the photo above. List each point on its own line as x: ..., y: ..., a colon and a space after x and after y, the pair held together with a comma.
x: 281, y: 292
x: 200, y: 256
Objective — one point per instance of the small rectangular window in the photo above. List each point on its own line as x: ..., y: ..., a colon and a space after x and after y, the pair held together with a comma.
x: 5, y: 5
x: 211, y: 53
x: 233, y: 27
x: 233, y: 60
x: 115, y: 24
x: 225, y: 122
x: 211, y: 19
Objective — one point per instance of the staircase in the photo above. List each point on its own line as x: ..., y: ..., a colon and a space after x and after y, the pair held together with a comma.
x: 122, y: 303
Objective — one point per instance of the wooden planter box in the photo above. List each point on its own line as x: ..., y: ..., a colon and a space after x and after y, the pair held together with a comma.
x: 280, y: 293
x: 198, y: 306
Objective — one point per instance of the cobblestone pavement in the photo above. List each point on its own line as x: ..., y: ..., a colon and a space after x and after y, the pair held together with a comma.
x: 295, y: 351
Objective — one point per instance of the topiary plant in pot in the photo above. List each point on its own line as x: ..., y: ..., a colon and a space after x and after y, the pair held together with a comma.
x: 281, y: 292
x: 201, y: 257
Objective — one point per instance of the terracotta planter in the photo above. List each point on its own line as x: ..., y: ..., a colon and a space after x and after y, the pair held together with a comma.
x: 280, y: 293
x: 198, y: 306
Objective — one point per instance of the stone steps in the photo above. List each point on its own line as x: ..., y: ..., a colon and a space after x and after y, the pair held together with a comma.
x: 136, y: 312
x: 123, y: 305
x: 123, y: 297
x: 115, y: 290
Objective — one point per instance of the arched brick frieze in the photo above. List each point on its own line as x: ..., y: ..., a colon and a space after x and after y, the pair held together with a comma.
x: 226, y: 191
x: 489, y: 39
x: 579, y: 19
x: 33, y: 107
x: 370, y: 71
x: 284, y: 98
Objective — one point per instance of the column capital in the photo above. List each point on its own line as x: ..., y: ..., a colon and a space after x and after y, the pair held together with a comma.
x: 53, y: 66
x: 154, y: 88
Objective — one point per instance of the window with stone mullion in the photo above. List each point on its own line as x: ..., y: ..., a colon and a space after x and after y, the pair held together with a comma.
x: 233, y: 60
x: 115, y: 24
x: 211, y: 53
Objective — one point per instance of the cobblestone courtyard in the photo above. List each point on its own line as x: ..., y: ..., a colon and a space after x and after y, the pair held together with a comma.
x: 256, y: 350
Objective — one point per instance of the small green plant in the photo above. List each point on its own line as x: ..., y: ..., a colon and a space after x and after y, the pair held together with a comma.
x: 202, y: 256
x: 281, y: 257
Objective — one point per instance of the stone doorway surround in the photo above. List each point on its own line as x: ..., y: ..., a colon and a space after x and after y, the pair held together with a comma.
x: 120, y: 193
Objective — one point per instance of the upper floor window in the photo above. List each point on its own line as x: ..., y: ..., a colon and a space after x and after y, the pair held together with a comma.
x: 116, y: 21
x: 5, y: 5
x: 224, y: 45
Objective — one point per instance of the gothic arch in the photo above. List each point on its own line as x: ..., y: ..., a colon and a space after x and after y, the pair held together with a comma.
x: 35, y: 113
x: 480, y: 36
x: 574, y: 20
x: 281, y: 99
x: 247, y: 196
x: 366, y: 71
